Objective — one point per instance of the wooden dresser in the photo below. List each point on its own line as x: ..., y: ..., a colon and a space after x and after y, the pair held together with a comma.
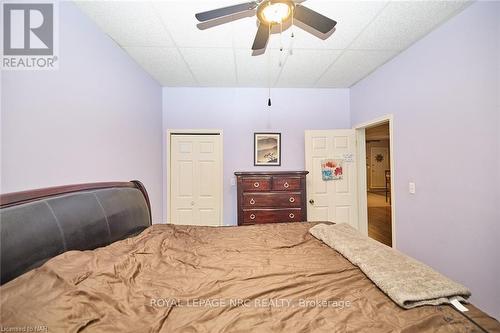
x: 268, y: 197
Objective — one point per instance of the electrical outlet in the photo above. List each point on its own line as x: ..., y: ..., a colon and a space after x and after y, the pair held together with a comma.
x: 411, y: 187
x: 233, y: 181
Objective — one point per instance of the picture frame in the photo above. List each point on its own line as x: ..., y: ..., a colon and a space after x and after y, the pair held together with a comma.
x: 267, y: 149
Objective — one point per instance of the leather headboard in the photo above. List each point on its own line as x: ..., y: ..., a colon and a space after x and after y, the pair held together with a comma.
x: 40, y: 224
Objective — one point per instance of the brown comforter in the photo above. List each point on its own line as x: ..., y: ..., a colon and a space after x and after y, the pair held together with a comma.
x: 267, y: 278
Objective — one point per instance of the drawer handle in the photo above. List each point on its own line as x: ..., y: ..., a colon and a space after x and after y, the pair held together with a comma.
x: 252, y: 201
x: 291, y: 215
x: 256, y: 184
x: 286, y: 185
x: 252, y: 216
x: 292, y: 199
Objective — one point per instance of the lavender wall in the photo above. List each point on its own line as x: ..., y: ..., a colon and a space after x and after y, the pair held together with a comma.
x: 240, y: 112
x: 97, y: 118
x: 444, y: 94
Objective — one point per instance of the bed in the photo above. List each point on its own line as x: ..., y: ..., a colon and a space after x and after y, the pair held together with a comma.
x: 94, y: 263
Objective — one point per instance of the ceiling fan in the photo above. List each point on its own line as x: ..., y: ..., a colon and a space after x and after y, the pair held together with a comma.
x: 273, y: 16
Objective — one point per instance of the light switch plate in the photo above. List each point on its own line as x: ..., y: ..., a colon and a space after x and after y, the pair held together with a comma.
x: 411, y: 187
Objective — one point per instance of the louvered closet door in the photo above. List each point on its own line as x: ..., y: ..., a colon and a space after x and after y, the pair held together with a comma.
x: 195, y: 179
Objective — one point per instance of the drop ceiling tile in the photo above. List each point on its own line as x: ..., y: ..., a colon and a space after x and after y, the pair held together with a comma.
x: 304, y: 67
x: 180, y: 21
x: 211, y: 66
x: 351, y: 17
x: 259, y: 71
x: 353, y: 66
x: 403, y: 22
x: 131, y: 23
x: 164, y: 64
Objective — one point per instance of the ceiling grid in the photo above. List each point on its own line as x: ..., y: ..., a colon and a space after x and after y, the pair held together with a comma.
x: 162, y: 37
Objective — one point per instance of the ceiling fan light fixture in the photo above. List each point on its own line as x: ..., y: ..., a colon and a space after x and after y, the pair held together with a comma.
x: 273, y: 16
x: 275, y: 13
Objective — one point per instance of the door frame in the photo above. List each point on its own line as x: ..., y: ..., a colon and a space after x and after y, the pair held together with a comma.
x: 167, y: 182
x: 362, y: 181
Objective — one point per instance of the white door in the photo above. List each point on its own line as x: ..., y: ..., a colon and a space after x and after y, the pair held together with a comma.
x: 379, y: 162
x: 331, y: 200
x: 195, y: 179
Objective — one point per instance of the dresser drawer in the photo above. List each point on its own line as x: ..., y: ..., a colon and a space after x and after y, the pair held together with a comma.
x: 256, y: 184
x: 286, y: 183
x: 254, y: 216
x: 279, y: 200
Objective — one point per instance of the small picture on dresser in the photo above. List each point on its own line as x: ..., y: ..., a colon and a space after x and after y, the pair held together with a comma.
x: 267, y: 149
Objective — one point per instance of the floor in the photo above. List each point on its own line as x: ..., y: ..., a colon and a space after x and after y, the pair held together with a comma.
x: 379, y: 218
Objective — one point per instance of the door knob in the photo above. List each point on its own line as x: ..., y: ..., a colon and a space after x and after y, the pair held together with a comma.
x: 311, y: 202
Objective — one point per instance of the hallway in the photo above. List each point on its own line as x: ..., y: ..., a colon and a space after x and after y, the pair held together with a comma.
x: 379, y: 218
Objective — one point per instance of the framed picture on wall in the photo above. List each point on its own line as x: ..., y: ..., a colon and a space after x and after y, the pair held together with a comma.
x: 267, y: 149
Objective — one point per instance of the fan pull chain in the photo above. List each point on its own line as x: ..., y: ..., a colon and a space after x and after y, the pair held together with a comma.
x: 269, y: 72
x: 292, y: 27
x: 281, y: 36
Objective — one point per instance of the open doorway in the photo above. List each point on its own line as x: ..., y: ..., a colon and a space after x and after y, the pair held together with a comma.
x: 378, y: 189
x: 376, y: 207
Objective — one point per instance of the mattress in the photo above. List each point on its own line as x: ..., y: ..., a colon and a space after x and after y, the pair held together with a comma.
x: 262, y: 278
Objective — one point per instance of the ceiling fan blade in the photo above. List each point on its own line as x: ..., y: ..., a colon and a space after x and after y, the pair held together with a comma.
x: 313, y: 19
x: 225, y: 11
x: 261, y: 38
x: 226, y: 19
